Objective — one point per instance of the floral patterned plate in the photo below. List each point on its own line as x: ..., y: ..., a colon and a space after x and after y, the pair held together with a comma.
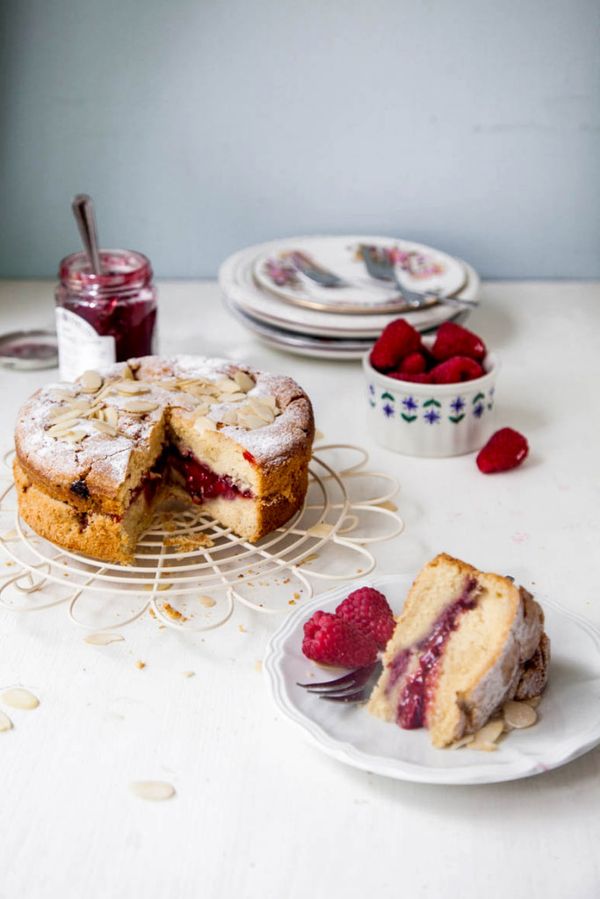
x: 239, y: 286
x: 298, y: 269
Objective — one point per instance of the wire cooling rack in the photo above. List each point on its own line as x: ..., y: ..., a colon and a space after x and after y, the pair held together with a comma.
x: 190, y: 571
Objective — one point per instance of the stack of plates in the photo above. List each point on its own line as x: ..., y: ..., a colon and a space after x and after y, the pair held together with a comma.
x: 286, y: 309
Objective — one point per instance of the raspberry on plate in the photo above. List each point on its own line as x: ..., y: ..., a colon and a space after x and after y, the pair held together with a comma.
x: 454, y: 340
x: 369, y: 611
x: 332, y: 640
x: 504, y: 450
x: 397, y: 340
x: 455, y: 370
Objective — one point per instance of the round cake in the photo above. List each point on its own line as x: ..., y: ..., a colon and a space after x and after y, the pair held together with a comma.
x: 94, y: 459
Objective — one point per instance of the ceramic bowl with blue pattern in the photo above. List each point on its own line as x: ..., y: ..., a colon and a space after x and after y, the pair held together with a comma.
x: 431, y: 419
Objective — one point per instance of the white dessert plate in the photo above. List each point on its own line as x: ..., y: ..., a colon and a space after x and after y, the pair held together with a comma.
x: 569, y: 713
x: 301, y: 344
x: 418, y: 267
x: 237, y: 282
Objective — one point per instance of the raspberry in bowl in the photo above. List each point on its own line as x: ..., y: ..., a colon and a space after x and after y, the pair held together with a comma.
x: 433, y: 395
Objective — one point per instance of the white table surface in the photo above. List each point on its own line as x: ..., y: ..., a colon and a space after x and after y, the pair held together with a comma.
x: 258, y: 813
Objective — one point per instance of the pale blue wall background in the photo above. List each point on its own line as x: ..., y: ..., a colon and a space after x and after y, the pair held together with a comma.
x: 200, y: 126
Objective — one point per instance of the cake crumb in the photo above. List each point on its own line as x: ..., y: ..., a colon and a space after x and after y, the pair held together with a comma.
x: 189, y: 674
x: 387, y: 504
x: 185, y: 543
x: 291, y: 602
x: 242, y: 629
x: 207, y: 601
x: 307, y: 559
x: 258, y: 665
x: 296, y: 596
x: 174, y: 614
x: 139, y: 664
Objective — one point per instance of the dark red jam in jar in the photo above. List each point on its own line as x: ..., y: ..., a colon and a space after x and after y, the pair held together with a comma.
x: 106, y: 318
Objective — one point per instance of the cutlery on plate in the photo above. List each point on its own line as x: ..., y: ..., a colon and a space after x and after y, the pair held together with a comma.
x: 314, y: 270
x: 355, y: 686
x: 381, y: 267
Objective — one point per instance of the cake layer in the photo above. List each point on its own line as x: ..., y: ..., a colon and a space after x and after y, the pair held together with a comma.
x: 458, y: 650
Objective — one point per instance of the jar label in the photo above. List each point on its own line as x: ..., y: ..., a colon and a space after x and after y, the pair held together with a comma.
x: 80, y: 347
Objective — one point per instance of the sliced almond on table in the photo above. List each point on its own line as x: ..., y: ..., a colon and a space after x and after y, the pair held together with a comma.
x: 138, y: 407
x: 5, y: 723
x: 320, y: 530
x: 91, y: 381
x: 243, y: 381
x: 101, y: 638
x: 153, y: 790
x: 19, y: 698
x: 519, y: 714
x: 207, y: 601
x: 127, y: 374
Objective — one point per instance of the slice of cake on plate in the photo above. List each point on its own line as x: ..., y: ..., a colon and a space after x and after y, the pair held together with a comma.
x: 466, y: 642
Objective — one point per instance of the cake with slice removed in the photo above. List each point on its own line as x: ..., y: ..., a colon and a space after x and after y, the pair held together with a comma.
x: 95, y: 458
x: 466, y: 642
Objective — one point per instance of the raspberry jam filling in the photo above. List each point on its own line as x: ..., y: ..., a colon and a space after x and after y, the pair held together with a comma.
x: 414, y: 697
x: 203, y: 483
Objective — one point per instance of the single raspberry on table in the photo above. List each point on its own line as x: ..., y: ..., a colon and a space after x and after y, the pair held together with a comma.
x: 368, y: 610
x: 413, y: 364
x: 454, y: 340
x: 332, y: 640
x: 455, y: 370
x: 504, y: 450
x: 397, y: 340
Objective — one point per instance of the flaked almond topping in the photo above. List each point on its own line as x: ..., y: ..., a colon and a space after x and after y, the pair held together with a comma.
x: 91, y: 381
x: 105, y: 428
x: 64, y: 391
x: 111, y: 416
x: 259, y: 407
x: 59, y: 430
x: 231, y: 397
x: 138, y: 407
x: 207, y: 601
x: 203, y: 423
x: 243, y: 380
x: 65, y: 415
x: 519, y: 714
x: 130, y: 388
x: 19, y: 698
x: 227, y: 385
x: 250, y: 421
x: 202, y: 408
x: 228, y: 417
x: 153, y: 790
x: 74, y: 436
x: 5, y: 723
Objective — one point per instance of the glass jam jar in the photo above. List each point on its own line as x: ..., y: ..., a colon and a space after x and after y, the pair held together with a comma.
x: 106, y: 318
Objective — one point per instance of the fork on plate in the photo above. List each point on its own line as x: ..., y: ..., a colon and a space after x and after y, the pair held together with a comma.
x: 355, y: 686
x: 381, y: 267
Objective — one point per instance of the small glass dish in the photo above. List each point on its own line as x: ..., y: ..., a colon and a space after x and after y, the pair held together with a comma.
x: 29, y: 350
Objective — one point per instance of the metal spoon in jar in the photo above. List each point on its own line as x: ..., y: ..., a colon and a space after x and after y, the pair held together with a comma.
x: 83, y: 210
